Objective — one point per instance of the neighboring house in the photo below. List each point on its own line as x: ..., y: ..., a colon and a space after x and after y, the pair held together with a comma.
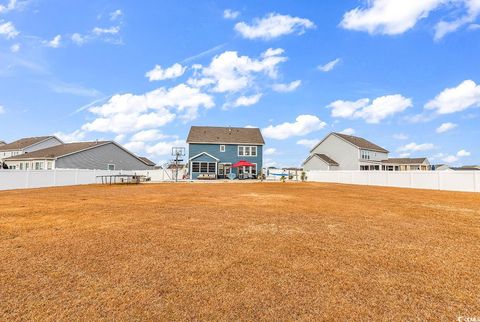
x: 345, y: 152
x: 26, y: 145
x: 104, y: 155
x: 339, y: 151
x: 467, y: 168
x: 441, y: 167
x: 2, y: 143
x: 213, y: 151
x: 406, y: 164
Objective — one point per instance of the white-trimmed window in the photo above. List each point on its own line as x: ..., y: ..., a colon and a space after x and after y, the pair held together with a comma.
x: 247, y: 151
x: 365, y: 155
x: 222, y: 148
x: 204, y: 167
x: 49, y: 165
x: 111, y: 167
x: 21, y: 166
x: 39, y: 165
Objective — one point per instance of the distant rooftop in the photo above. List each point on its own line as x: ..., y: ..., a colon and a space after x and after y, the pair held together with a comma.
x: 23, y: 143
x: 58, y: 151
x: 405, y: 160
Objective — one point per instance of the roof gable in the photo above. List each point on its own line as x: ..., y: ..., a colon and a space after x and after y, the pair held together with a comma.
x: 226, y: 135
x: 58, y: 151
x: 356, y: 141
x: 25, y: 143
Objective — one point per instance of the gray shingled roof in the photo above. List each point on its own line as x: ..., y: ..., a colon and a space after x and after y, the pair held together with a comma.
x: 58, y: 151
x: 405, y: 160
x: 23, y: 143
x: 327, y: 159
x: 229, y: 135
x: 361, y: 142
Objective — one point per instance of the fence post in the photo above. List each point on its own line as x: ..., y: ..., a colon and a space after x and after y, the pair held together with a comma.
x: 411, y: 179
x: 54, y: 177
x: 439, y: 180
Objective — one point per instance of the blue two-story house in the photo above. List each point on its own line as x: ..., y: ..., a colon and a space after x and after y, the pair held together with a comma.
x: 213, y: 150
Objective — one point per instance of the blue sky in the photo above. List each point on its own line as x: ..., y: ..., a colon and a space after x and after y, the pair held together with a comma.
x: 402, y: 74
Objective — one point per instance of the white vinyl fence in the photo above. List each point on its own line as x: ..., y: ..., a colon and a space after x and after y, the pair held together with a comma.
x: 436, y: 180
x: 18, y: 179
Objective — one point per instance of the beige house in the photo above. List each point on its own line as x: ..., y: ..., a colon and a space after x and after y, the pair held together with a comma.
x: 406, y: 164
x: 339, y: 151
x: 27, y: 145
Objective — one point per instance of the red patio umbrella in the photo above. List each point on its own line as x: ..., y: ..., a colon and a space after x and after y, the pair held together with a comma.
x: 242, y: 163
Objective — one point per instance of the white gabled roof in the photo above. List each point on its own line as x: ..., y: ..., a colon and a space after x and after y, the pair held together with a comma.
x: 203, y: 153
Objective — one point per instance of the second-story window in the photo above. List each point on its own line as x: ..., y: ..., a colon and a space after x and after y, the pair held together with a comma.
x: 247, y: 151
x: 222, y: 148
x: 365, y: 155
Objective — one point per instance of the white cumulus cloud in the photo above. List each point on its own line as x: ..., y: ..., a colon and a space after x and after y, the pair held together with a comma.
x: 371, y: 111
x: 414, y: 147
x: 273, y: 25
x: 247, y: 100
x: 230, y: 14
x: 308, y: 143
x: 74, y: 136
x: 456, y: 99
x: 285, y: 88
x: 393, y: 17
x: 348, y: 131
x: 8, y: 30
x: 114, y: 15
x: 270, y: 151
x: 229, y: 72
x: 15, y: 48
x: 126, y: 113
x: 303, y: 125
x: 55, y: 42
x: 444, y: 127
x: 158, y: 73
x: 329, y: 66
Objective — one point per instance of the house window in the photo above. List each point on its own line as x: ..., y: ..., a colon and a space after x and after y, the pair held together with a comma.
x: 27, y: 166
x: 247, y: 151
x: 49, y: 165
x: 111, y: 167
x: 365, y: 155
x: 38, y: 165
x: 21, y: 166
x: 224, y: 168
x: 211, y: 167
x: 195, y: 167
x: 222, y: 148
x: 204, y: 167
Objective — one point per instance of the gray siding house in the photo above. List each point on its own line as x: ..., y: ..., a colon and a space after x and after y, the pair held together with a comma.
x: 213, y: 150
x: 104, y: 155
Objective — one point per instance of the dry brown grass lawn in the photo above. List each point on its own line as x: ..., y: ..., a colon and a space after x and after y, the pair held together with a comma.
x: 238, y: 252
